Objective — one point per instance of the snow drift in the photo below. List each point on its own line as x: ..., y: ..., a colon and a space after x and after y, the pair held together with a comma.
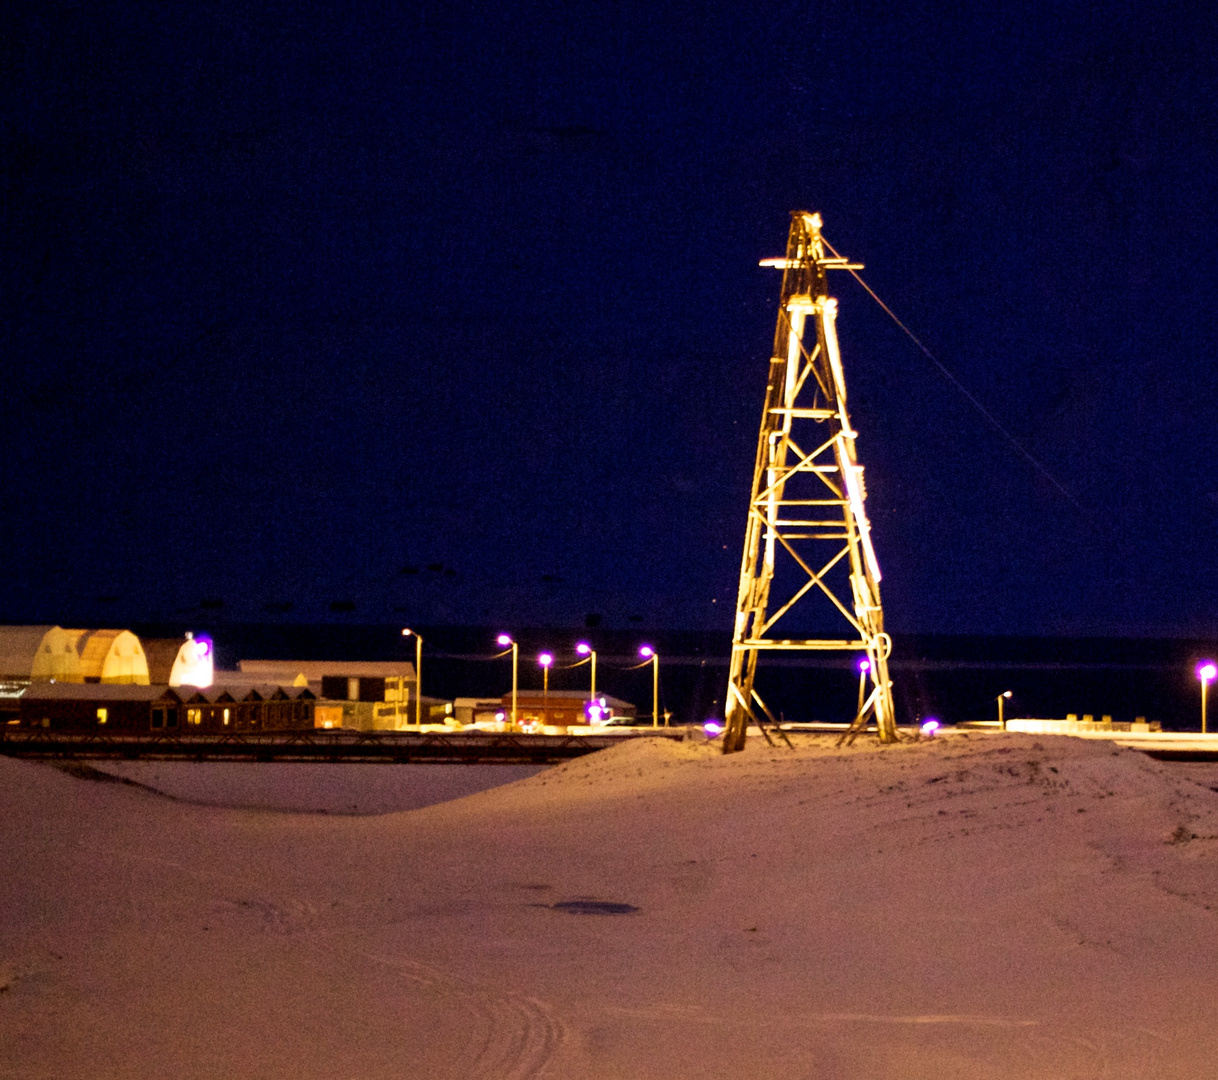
x: 981, y: 906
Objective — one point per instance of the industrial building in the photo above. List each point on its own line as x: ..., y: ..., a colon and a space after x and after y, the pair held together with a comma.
x: 564, y: 708
x: 51, y: 653
x: 360, y: 695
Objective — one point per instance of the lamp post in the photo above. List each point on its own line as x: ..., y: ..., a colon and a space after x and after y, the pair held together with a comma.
x: 584, y: 649
x: 864, y: 666
x: 1004, y: 696
x: 505, y: 640
x: 1206, y: 670
x: 418, y: 674
x: 545, y: 660
x: 648, y: 653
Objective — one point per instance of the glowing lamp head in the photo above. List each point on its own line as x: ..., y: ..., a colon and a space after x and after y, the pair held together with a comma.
x: 1006, y: 694
x: 1206, y: 671
x: 504, y: 639
x: 929, y: 726
x: 647, y: 652
x: 406, y: 632
x: 500, y: 716
x: 864, y: 666
x: 712, y: 728
x: 545, y: 659
x: 583, y: 648
x: 594, y: 712
x: 203, y: 645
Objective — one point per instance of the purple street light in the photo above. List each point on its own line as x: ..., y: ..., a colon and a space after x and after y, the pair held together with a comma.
x: 506, y: 641
x: 648, y: 653
x: 545, y: 659
x: 864, y: 666
x: 1206, y: 670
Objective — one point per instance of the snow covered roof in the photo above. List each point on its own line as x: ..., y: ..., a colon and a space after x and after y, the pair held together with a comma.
x: 98, y: 692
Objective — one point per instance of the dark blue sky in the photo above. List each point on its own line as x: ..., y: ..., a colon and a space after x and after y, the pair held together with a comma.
x: 299, y: 303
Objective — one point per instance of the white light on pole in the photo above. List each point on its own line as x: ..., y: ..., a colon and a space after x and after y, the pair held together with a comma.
x: 1004, y: 696
x: 418, y: 674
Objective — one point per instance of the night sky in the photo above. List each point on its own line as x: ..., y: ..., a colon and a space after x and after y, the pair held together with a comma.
x: 452, y: 314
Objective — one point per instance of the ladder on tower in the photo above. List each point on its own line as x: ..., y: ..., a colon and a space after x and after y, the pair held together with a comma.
x: 807, y: 534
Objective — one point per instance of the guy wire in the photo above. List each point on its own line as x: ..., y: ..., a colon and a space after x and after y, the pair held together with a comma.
x: 1024, y: 451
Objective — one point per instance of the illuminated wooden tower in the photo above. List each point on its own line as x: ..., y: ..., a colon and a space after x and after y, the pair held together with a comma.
x: 807, y: 538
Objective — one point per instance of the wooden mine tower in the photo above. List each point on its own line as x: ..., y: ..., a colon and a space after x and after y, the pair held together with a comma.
x: 807, y: 537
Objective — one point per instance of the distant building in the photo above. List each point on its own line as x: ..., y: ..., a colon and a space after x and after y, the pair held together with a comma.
x: 264, y: 708
x: 20, y: 649
x: 471, y: 710
x: 80, y: 707
x: 132, y: 709
x: 112, y: 656
x: 180, y: 662
x: 564, y: 708
x: 53, y: 654
x: 363, y: 695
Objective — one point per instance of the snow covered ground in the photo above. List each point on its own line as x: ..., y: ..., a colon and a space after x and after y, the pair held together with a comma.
x: 984, y: 906
x: 330, y: 788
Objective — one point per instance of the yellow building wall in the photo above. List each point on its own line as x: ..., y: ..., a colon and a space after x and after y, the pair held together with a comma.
x: 57, y: 658
x: 113, y: 656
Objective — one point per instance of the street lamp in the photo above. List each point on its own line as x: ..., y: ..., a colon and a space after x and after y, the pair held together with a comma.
x: 1004, y: 696
x: 864, y: 666
x: 506, y: 641
x: 1205, y: 672
x: 584, y: 649
x: 418, y: 674
x: 545, y: 660
x: 648, y: 653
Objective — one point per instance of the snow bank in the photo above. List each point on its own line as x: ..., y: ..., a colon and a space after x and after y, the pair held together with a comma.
x: 988, y: 906
x: 330, y: 788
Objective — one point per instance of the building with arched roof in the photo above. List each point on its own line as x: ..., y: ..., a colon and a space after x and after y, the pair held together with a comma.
x: 20, y: 647
x: 112, y: 656
x: 44, y: 654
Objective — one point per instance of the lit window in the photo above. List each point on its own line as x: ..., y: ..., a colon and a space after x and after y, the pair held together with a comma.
x: 103, y: 715
x: 226, y: 716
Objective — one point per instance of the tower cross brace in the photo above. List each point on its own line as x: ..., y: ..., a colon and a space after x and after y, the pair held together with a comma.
x: 807, y: 538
